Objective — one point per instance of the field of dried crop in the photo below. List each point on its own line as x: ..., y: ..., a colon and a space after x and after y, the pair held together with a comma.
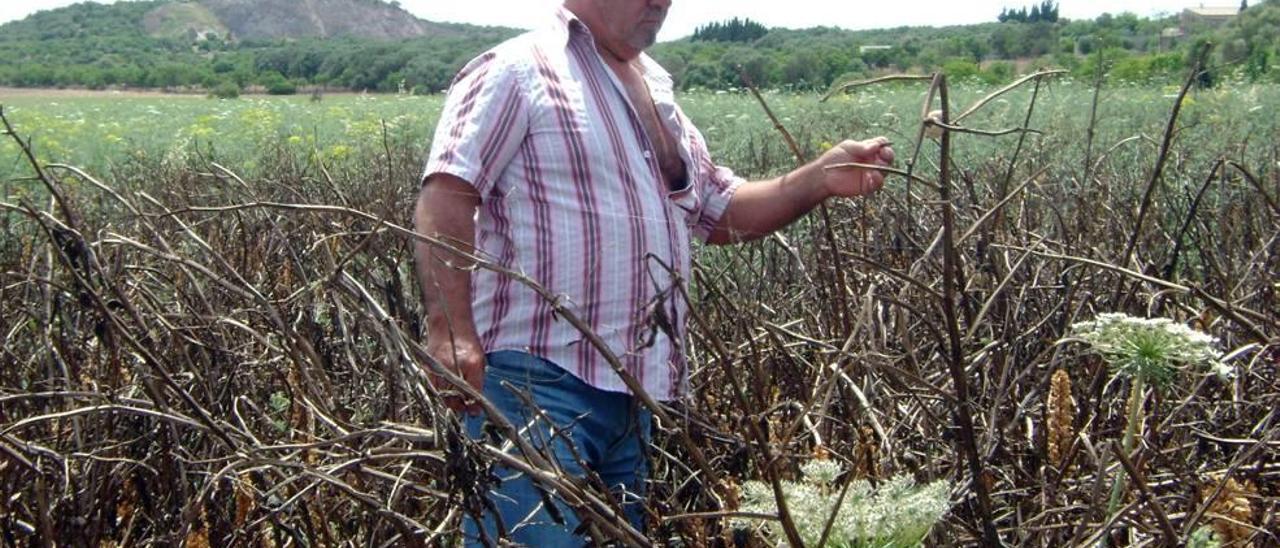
x: 210, y: 326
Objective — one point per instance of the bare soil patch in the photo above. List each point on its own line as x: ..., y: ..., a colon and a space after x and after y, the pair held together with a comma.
x: 54, y: 93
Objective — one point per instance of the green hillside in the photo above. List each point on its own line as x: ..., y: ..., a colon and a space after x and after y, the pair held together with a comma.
x: 187, y: 21
x: 375, y: 45
x: 201, y: 46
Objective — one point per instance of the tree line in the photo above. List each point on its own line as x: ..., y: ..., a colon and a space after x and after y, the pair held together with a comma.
x: 1046, y: 11
x: 98, y: 46
x: 733, y: 30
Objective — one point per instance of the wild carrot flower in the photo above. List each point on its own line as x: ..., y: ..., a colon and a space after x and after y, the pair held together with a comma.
x: 1146, y: 351
x: 898, y: 514
x: 1154, y: 349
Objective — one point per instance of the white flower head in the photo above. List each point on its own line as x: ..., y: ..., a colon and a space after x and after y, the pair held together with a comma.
x: 1153, y: 348
x: 898, y: 514
x: 820, y: 472
x: 1223, y: 370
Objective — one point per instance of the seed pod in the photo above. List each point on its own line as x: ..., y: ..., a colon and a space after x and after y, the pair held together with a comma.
x: 1231, y: 512
x: 198, y: 537
x: 1059, y: 415
x: 128, y: 502
x: 244, y: 499
x: 867, y: 456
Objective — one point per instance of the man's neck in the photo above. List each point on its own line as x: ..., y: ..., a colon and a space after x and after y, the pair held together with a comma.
x: 617, y: 54
x: 616, y: 62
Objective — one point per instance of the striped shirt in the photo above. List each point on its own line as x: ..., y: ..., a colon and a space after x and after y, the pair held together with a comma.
x: 572, y: 196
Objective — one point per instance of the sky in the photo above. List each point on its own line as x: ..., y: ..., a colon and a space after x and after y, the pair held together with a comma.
x: 686, y: 15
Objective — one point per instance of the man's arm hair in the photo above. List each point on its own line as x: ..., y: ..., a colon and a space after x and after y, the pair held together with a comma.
x: 758, y: 209
x: 446, y: 211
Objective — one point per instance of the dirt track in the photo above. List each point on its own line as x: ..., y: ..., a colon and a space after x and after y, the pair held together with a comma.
x: 53, y: 93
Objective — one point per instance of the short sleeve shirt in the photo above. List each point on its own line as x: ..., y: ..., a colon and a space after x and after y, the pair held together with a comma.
x: 572, y: 197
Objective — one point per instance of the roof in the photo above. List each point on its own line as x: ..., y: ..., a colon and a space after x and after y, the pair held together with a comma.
x: 1215, y: 11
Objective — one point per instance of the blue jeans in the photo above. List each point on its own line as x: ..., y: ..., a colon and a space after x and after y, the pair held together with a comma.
x: 609, y: 432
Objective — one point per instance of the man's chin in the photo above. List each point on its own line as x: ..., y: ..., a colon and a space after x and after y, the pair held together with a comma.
x: 643, y: 40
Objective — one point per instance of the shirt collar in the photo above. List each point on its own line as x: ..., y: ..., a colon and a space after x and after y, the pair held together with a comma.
x: 566, y: 26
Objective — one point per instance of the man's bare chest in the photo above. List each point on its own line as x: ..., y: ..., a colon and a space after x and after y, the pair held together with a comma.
x: 663, y: 143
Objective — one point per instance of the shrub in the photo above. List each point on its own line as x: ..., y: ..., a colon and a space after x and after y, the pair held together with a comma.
x: 225, y: 90
x: 276, y: 84
x: 1132, y: 69
x: 998, y: 72
x: 282, y: 87
x: 960, y: 69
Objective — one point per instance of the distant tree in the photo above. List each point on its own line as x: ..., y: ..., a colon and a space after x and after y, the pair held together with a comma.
x: 754, y: 63
x: 733, y: 30
x: 961, y: 69
x: 225, y: 90
x: 1049, y: 11
x: 1007, y: 41
x: 1046, y: 11
x: 277, y: 84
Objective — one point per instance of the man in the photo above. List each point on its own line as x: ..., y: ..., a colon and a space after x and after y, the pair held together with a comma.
x: 561, y: 155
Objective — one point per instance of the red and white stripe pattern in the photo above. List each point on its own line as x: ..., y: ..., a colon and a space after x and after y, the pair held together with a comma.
x: 572, y: 196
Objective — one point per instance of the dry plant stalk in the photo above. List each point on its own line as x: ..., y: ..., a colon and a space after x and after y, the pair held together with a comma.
x: 866, y: 458
x: 128, y: 503
x: 245, y: 503
x: 1231, y: 512
x: 199, y: 535
x: 1059, y: 414
x: 207, y: 329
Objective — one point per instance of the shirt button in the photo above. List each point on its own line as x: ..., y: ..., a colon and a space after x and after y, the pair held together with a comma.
x: 648, y: 155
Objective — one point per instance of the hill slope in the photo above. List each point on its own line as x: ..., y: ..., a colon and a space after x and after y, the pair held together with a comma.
x: 185, y: 20
x: 260, y: 20
x: 273, y: 19
x: 355, y: 44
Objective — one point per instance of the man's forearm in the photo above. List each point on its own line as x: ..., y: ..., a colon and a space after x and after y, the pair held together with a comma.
x: 759, y: 208
x: 446, y: 211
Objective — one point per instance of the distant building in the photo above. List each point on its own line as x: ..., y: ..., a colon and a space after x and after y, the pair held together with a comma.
x: 1208, y: 16
x: 864, y: 49
x: 1169, y: 37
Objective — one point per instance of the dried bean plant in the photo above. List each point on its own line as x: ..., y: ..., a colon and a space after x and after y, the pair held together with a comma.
x: 195, y: 356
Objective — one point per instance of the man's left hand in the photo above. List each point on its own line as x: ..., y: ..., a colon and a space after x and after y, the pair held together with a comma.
x: 856, y: 181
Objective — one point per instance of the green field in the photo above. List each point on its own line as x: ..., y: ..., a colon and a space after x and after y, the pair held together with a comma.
x: 101, y: 131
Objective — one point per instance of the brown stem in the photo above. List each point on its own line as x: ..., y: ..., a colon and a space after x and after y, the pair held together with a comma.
x: 1091, y: 132
x: 841, y: 88
x: 1165, y: 145
x: 1253, y: 180
x: 1172, y: 267
x: 955, y: 354
x: 1171, y: 535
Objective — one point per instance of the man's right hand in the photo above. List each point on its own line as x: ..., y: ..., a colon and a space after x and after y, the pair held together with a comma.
x: 446, y: 211
x: 463, y: 355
